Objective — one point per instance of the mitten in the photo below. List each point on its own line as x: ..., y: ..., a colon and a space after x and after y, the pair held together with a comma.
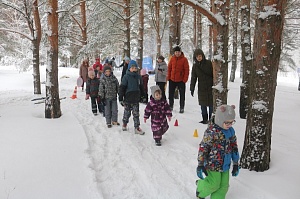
x: 87, y: 96
x: 200, y: 171
x: 235, y: 170
x: 192, y: 93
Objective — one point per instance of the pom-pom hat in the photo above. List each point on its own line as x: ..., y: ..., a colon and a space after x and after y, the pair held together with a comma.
x: 224, y: 113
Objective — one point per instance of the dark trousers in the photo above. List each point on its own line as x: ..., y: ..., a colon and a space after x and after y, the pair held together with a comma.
x: 181, y: 88
x: 95, y: 102
x: 204, y: 112
x: 162, y: 88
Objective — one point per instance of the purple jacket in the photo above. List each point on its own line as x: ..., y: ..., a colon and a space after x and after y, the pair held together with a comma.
x: 159, y: 110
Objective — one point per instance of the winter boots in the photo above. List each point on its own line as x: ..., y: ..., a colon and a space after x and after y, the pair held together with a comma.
x: 157, y: 142
x: 138, y: 130
x: 124, y: 127
x: 205, y: 119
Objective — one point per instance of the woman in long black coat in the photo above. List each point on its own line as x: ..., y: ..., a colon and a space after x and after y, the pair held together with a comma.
x: 203, y: 72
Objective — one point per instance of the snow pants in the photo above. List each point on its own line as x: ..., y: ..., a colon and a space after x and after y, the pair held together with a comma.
x: 95, y: 104
x: 134, y: 108
x: 216, y: 185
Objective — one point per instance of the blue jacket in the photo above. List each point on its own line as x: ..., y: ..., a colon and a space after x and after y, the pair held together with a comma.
x: 131, y: 88
x: 217, y: 148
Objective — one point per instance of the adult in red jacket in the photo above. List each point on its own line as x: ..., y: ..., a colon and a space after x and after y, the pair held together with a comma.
x: 178, y: 74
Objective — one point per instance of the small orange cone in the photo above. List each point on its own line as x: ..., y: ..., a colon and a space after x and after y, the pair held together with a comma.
x: 74, y: 96
x: 196, y: 133
x: 176, y: 123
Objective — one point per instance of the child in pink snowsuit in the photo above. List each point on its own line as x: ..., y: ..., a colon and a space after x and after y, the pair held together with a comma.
x: 159, y: 110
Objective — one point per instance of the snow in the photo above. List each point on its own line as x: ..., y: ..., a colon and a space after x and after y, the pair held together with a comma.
x: 77, y: 157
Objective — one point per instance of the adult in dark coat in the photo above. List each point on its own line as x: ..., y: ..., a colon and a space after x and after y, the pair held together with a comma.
x: 203, y: 72
x: 125, y: 67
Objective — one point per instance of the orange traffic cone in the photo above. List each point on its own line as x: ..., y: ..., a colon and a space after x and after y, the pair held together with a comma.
x: 196, y: 133
x: 74, y: 96
x: 176, y: 123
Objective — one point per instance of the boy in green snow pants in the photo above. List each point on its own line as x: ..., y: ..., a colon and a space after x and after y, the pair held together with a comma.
x: 216, y: 150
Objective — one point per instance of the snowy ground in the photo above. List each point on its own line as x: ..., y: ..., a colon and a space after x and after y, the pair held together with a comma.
x: 77, y: 157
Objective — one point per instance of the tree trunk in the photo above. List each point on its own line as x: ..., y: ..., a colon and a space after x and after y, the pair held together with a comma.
x: 234, y: 40
x: 157, y: 28
x: 36, y: 48
x: 267, y: 49
x: 52, y: 103
x: 127, y: 28
x: 199, y: 30
x: 141, y: 34
x: 36, y: 67
x: 220, y: 58
x: 172, y: 26
x: 83, y: 23
x: 246, y: 65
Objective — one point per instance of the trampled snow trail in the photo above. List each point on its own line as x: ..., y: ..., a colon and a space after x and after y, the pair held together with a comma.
x: 120, y: 159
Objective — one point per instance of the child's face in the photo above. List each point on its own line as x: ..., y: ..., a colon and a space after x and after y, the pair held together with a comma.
x: 133, y: 69
x: 92, y: 76
x: 107, y: 73
x: 228, y: 124
x: 98, y: 68
x: 157, y: 95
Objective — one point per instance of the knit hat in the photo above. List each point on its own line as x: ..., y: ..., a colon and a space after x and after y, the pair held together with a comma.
x: 224, y: 113
x: 132, y: 63
x: 177, y: 48
x: 161, y: 57
x: 106, y: 68
x: 143, y: 72
x: 127, y: 58
x: 153, y: 89
x: 91, y: 72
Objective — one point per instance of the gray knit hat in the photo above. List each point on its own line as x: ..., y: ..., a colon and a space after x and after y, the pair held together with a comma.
x: 224, y: 113
x: 154, y: 89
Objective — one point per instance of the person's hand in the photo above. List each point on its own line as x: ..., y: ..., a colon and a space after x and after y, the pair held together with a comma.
x: 235, y: 171
x: 87, y: 96
x: 169, y: 118
x: 200, y: 171
x: 145, y: 120
x: 192, y: 93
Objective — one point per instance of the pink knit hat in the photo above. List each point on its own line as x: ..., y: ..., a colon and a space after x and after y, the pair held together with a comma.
x: 143, y: 72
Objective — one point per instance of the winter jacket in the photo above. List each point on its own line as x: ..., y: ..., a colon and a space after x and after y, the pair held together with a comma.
x: 109, y: 87
x: 217, y: 148
x: 159, y: 110
x: 131, y: 88
x: 178, y: 69
x: 203, y: 72
x: 83, y: 73
x: 145, y: 79
x: 161, y: 71
x: 92, y: 87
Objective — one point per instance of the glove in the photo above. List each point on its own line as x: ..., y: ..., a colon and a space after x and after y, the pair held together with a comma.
x: 235, y: 170
x: 192, y: 93
x: 122, y: 103
x: 200, y: 171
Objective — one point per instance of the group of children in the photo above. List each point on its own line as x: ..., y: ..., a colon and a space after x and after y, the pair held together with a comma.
x: 217, y: 148
x: 103, y: 88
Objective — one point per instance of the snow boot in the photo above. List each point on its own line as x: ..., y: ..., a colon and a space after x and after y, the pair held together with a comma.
x: 138, y: 130
x: 157, y: 143
x: 116, y: 123
x: 205, y: 119
x: 181, y: 110
x: 109, y: 125
x: 124, y: 127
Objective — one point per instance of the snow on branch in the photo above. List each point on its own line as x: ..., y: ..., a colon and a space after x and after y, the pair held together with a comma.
x: 18, y: 32
x: 268, y: 11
